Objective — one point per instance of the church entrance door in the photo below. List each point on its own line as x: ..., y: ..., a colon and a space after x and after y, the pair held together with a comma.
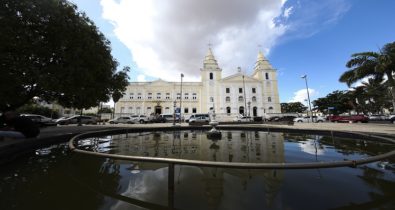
x: 158, y: 110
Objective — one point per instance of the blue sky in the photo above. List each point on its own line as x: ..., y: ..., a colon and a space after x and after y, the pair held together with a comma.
x: 165, y: 38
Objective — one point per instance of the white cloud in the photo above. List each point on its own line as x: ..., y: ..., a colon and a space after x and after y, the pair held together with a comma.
x: 169, y: 37
x: 301, y: 95
x: 141, y: 78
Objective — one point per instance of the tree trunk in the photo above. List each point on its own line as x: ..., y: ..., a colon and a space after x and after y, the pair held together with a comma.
x: 391, y: 82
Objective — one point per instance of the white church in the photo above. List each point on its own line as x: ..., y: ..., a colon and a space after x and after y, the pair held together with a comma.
x: 238, y: 94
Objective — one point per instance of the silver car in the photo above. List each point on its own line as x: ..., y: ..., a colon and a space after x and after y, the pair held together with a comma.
x: 40, y: 120
x: 76, y: 118
x: 117, y: 120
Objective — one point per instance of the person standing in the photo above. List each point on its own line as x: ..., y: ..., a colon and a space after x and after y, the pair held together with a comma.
x: 17, y: 127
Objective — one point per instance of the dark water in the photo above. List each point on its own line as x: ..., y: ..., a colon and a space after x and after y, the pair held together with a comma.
x: 54, y: 178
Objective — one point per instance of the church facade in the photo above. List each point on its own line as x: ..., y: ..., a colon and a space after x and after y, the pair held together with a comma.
x: 238, y: 94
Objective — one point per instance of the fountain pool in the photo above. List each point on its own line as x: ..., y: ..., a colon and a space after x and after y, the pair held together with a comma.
x: 56, y: 178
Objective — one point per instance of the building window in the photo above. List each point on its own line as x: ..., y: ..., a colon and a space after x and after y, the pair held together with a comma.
x: 253, y: 99
x: 227, y: 90
x: 131, y: 95
x: 186, y: 96
x: 158, y: 95
x: 241, y: 110
x: 228, y: 110
x: 267, y: 75
x: 269, y: 99
x: 130, y: 109
x: 149, y: 95
x: 194, y: 96
x: 178, y: 95
x: 211, y: 76
x: 193, y: 110
x: 167, y: 110
x: 227, y: 99
x: 253, y: 90
x: 138, y: 110
x: 241, y: 98
x: 139, y: 96
x: 240, y: 90
x: 211, y: 99
x: 186, y: 110
x: 167, y: 95
x: 122, y: 109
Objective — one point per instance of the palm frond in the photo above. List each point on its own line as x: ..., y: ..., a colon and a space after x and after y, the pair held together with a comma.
x: 359, y: 59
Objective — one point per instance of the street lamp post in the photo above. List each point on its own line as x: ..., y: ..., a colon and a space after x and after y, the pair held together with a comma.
x: 245, y: 99
x: 174, y: 114
x: 308, y: 97
x: 249, y: 110
x: 182, y: 75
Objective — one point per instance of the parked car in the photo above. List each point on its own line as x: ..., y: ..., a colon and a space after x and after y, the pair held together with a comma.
x: 199, y: 119
x: 140, y: 119
x: 170, y: 117
x: 40, y: 120
x: 198, y: 116
x: 117, y: 120
x: 317, y: 119
x: 377, y: 117
x: 75, y: 119
x: 391, y: 118
x: 157, y: 119
x: 242, y: 119
x: 285, y: 118
x: 351, y: 118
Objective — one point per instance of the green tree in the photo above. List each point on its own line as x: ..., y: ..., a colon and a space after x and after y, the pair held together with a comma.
x: 293, y: 107
x: 378, y: 65
x: 339, y: 100
x: 50, y: 50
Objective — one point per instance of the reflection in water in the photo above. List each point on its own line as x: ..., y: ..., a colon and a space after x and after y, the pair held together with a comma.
x: 52, y: 178
x: 243, y: 146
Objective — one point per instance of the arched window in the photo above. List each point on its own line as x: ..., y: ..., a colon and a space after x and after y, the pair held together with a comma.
x: 253, y: 99
x: 211, y: 99
x: 270, y: 109
x: 241, y: 98
x: 227, y: 99
x: 269, y: 99
x: 228, y: 110
x: 267, y: 75
x: 211, y: 76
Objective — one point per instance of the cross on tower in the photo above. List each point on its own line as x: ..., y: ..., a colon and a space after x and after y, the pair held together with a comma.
x: 259, y: 47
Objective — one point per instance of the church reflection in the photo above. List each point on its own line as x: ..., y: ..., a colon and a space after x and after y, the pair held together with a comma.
x: 210, y: 187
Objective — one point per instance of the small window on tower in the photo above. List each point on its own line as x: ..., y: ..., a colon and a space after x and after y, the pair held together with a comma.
x: 211, y: 76
x: 267, y: 75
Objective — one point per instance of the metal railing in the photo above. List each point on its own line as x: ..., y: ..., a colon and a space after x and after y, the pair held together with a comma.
x: 172, y: 161
x: 302, y: 165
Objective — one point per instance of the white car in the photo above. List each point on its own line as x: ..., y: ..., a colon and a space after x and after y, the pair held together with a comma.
x: 140, y: 119
x: 242, y: 119
x: 117, y: 120
x: 199, y: 119
x: 307, y: 119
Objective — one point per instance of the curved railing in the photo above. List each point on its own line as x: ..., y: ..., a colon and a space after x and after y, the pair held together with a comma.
x: 172, y: 161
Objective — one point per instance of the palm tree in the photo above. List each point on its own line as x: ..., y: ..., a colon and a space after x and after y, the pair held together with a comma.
x: 378, y: 65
